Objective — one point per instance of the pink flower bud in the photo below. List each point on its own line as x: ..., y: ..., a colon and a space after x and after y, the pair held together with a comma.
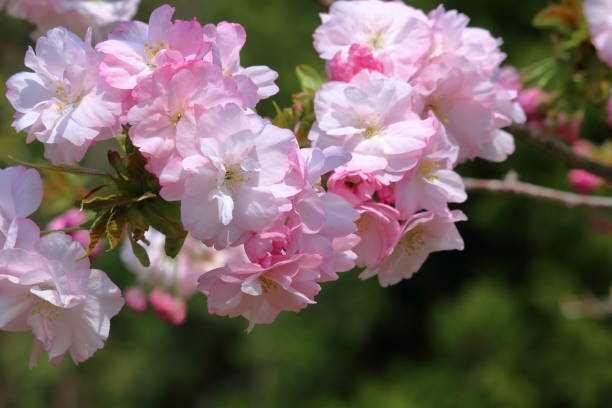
x: 584, y: 182
x: 567, y: 129
x: 583, y: 147
x: 531, y: 100
x: 136, y: 299
x: 167, y: 307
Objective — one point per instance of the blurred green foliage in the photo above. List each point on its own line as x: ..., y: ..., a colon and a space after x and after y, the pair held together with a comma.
x: 479, y: 328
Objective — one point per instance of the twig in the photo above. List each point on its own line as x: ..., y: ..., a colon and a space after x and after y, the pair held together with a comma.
x: 557, y: 149
x: 512, y: 185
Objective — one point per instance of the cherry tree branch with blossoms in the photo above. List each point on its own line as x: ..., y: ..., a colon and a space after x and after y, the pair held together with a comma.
x: 208, y: 197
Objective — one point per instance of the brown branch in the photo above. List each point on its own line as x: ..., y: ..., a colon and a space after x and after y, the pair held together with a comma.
x: 556, y: 148
x: 512, y: 185
x: 325, y: 3
x: 574, y: 307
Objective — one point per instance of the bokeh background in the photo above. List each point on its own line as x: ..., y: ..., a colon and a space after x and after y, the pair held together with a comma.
x: 479, y: 328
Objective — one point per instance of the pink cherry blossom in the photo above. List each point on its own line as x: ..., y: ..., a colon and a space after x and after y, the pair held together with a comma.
x: 423, y: 234
x: 67, y: 305
x: 63, y: 103
x: 234, y: 186
x: 396, y: 34
x: 260, y: 293
x: 597, y: 13
x: 432, y: 184
x: 359, y: 57
x: 317, y: 223
x: 74, y: 218
x: 257, y: 82
x: 584, y: 182
x: 471, y: 106
x: 21, y: 193
x: 452, y: 35
x: 76, y: 16
x: 163, y: 117
x: 378, y: 230
x: 134, y: 50
x: 373, y: 118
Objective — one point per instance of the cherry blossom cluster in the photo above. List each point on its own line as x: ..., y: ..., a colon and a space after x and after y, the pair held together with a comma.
x: 46, y: 283
x: 76, y: 15
x: 269, y: 220
x: 411, y: 96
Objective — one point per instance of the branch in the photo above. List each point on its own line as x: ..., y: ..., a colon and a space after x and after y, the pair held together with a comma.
x: 574, y: 307
x: 557, y: 149
x: 325, y: 3
x: 512, y: 185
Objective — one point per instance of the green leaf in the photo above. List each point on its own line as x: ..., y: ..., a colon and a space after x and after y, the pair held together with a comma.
x: 140, y: 253
x: 117, y: 163
x: 173, y: 245
x: 97, y: 231
x: 98, y: 204
x: 115, y: 226
x: 310, y: 79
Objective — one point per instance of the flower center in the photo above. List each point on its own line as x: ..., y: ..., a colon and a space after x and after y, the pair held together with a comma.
x: 413, y: 241
x: 176, y: 118
x: 151, y: 50
x: 376, y: 41
x: 428, y: 169
x: 64, y: 100
x: 268, y: 284
x: 45, y: 309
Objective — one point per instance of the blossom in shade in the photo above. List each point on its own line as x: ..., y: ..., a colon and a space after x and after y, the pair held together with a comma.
x: 378, y: 230
x: 134, y: 50
x: 66, y: 304
x: 74, y: 218
x: 597, y: 13
x: 63, y: 103
x: 260, y: 293
x: 21, y: 193
x: 584, y: 182
x: 425, y: 233
x: 234, y: 186
x: 373, y: 118
x: 180, y: 274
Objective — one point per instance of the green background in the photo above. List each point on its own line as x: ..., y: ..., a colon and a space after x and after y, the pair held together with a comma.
x: 478, y: 328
